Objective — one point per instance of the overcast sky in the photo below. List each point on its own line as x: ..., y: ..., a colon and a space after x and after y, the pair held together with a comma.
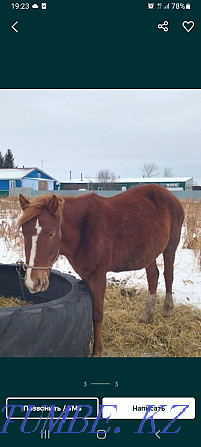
x: 87, y: 130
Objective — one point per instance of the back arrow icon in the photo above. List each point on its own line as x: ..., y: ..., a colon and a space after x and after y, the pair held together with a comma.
x: 13, y: 27
x: 157, y: 434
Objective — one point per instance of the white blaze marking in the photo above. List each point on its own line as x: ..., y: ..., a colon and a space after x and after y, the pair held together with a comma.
x: 29, y: 281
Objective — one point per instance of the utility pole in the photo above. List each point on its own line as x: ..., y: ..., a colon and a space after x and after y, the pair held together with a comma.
x: 42, y: 161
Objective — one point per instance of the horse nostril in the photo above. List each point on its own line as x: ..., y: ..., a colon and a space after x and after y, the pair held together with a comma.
x: 38, y: 281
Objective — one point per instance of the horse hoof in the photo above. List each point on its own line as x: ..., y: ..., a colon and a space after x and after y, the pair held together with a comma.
x: 97, y: 351
x: 167, y: 312
x: 145, y: 317
x: 96, y: 355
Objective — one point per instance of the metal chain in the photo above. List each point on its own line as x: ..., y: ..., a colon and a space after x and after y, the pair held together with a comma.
x: 21, y: 278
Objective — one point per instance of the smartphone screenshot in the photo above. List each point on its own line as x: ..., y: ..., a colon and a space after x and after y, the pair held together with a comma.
x: 100, y: 239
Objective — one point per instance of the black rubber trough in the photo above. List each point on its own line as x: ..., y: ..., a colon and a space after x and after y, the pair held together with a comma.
x: 57, y: 324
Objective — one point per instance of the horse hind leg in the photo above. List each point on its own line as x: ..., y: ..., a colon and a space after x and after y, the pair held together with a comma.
x: 169, y: 256
x: 152, y: 278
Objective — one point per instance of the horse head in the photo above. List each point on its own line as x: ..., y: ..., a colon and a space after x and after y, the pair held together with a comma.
x: 41, y: 227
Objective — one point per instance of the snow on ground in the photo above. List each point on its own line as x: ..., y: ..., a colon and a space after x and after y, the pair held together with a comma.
x: 8, y: 255
x: 187, y: 273
x: 187, y: 278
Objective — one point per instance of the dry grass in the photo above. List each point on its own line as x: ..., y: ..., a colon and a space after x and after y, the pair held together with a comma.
x: 9, y: 214
x: 12, y: 302
x: 124, y: 336
x: 192, y: 226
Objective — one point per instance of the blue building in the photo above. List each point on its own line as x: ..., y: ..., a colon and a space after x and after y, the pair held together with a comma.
x: 33, y: 178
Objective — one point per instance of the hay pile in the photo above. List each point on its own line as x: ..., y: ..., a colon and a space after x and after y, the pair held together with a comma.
x: 10, y: 302
x: 124, y: 336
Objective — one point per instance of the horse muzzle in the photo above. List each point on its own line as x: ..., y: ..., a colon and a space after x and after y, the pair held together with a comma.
x: 38, y: 282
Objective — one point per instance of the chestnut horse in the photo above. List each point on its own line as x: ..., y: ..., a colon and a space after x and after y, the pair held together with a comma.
x: 97, y: 234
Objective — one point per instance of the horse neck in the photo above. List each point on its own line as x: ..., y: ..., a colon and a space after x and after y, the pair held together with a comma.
x: 74, y: 213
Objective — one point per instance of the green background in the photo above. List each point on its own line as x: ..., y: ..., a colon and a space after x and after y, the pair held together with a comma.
x: 107, y: 44
x: 135, y: 377
x: 96, y: 44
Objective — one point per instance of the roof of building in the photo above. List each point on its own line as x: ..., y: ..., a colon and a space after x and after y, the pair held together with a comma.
x: 132, y: 180
x: 18, y: 173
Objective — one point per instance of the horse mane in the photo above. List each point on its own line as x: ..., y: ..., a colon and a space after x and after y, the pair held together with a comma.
x: 35, y: 208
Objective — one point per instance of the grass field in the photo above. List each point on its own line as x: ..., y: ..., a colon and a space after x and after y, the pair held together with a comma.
x: 123, y: 336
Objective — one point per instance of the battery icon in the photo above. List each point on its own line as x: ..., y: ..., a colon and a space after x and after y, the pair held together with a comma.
x: 188, y: 6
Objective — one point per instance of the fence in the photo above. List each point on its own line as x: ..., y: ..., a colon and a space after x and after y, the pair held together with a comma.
x: 25, y: 191
x: 181, y: 195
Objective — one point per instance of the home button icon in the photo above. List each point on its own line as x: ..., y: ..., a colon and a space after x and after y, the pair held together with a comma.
x: 101, y: 434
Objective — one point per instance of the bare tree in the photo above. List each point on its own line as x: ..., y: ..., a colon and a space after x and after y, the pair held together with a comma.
x: 150, y: 170
x: 106, y: 179
x: 168, y: 172
x: 105, y: 176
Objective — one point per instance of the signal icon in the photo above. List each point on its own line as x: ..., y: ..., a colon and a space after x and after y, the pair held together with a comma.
x: 167, y: 6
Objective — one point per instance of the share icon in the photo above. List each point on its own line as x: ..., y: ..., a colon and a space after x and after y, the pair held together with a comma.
x: 164, y: 26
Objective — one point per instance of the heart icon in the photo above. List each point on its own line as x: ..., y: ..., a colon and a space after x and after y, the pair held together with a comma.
x: 188, y: 26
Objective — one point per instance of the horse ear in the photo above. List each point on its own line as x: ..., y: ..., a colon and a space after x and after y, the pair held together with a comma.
x: 52, y: 204
x: 24, y: 202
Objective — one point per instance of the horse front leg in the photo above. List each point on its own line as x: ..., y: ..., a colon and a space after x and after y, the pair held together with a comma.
x: 98, y: 286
